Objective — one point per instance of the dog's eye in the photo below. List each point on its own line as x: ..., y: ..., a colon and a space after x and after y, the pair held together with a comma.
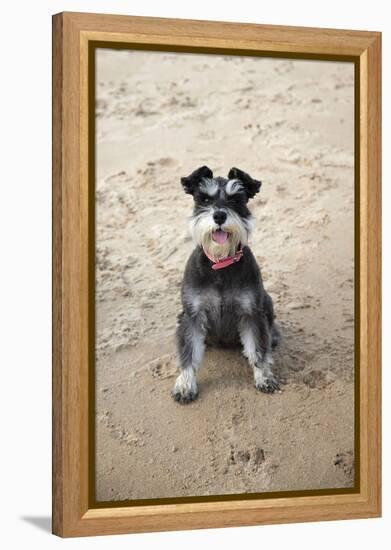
x: 237, y: 198
x: 205, y: 199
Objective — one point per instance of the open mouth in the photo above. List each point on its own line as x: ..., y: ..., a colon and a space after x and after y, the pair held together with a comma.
x: 219, y: 236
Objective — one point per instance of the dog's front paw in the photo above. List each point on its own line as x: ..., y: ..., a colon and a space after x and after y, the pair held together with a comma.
x: 185, y: 389
x: 265, y: 382
x: 269, y: 386
x: 183, y: 397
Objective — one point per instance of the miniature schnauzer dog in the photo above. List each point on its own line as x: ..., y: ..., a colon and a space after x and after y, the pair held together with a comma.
x: 223, y: 299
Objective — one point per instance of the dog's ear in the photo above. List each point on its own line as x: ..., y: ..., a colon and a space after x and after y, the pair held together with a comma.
x: 250, y: 185
x: 190, y: 183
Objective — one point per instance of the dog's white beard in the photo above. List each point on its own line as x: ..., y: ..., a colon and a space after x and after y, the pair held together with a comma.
x: 202, y: 226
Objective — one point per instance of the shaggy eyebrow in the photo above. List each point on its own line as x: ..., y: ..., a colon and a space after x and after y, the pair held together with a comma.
x: 233, y: 186
x: 208, y: 186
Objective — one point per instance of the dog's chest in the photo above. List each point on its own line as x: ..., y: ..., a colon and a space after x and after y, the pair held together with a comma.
x: 222, y: 310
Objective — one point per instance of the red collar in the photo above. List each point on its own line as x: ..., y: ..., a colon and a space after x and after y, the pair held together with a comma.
x: 225, y: 262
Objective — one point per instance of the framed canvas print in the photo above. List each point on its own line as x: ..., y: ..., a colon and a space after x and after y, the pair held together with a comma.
x: 216, y: 274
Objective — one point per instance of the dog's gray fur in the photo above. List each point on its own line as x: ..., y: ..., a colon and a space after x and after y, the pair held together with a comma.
x: 227, y: 307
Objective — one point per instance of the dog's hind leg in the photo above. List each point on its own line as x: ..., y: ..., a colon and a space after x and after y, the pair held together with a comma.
x: 191, y: 346
x: 269, y: 312
x: 255, y: 335
x: 276, y: 335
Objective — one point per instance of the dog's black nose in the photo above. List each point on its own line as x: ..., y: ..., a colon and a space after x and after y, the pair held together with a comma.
x: 220, y: 216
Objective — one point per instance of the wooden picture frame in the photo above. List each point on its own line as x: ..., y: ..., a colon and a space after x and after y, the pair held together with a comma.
x: 74, y: 36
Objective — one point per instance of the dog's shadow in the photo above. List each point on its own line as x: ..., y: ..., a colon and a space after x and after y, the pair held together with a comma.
x: 227, y: 367
x: 290, y: 355
x: 223, y: 368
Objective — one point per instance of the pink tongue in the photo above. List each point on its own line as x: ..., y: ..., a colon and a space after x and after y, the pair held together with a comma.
x: 219, y: 236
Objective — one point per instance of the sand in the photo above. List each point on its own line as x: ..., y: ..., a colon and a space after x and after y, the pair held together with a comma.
x: 290, y: 124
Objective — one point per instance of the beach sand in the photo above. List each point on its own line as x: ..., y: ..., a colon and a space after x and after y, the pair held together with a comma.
x: 290, y: 124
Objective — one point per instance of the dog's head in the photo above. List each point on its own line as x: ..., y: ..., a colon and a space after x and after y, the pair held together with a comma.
x: 221, y: 219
